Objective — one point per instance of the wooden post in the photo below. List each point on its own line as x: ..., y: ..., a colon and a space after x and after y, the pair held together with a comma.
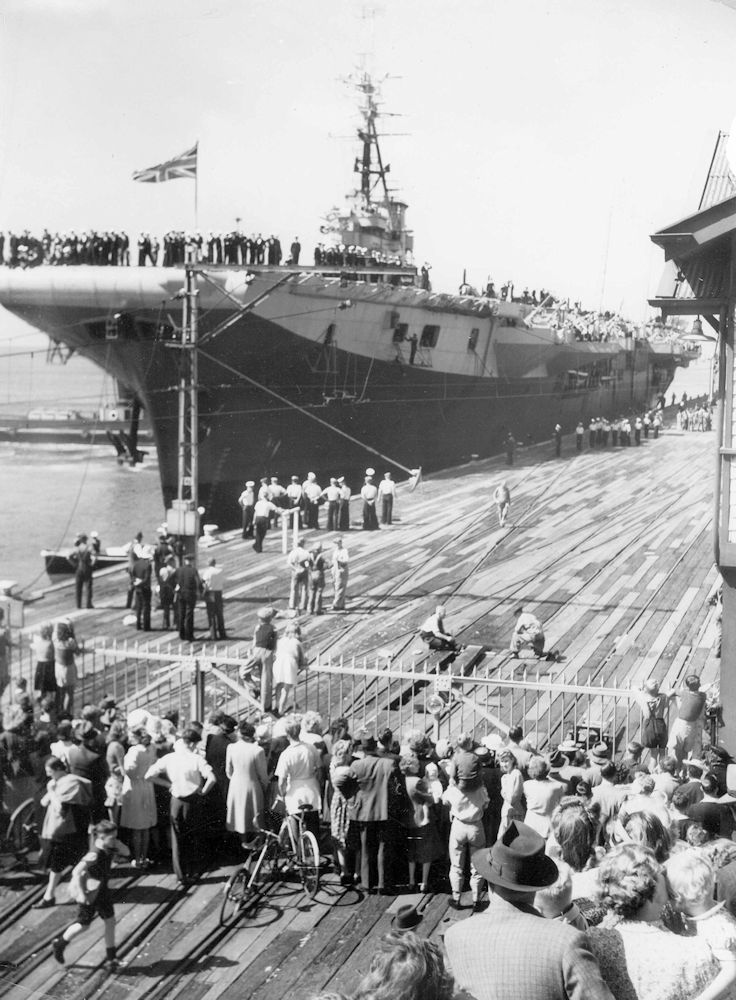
x: 725, y: 512
x: 293, y: 513
x: 197, y: 691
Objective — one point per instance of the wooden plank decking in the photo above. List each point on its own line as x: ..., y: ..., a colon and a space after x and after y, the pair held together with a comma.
x: 611, y: 549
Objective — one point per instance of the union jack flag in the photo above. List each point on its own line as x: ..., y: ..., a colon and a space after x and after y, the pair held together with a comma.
x: 183, y: 165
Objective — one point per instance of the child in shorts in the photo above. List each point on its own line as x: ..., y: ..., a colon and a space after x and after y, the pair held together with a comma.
x: 90, y: 888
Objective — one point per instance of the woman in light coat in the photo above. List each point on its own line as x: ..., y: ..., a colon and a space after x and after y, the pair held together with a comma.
x: 245, y: 766
x: 287, y: 663
x: 138, y: 812
x: 65, y: 669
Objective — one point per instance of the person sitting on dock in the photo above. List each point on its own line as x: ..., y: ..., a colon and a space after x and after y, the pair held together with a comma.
x: 432, y: 631
x: 528, y: 631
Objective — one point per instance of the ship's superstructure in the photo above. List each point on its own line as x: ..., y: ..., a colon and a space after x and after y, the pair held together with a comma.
x: 351, y: 362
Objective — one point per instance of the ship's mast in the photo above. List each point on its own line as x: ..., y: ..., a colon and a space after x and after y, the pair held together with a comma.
x: 368, y: 135
x: 185, y: 513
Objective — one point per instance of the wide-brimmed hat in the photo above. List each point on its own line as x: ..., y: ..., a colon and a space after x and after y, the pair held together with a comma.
x: 517, y: 861
x: 600, y: 754
x: 557, y: 760
x: 493, y: 742
x: 406, y: 918
x: 568, y: 746
x: 266, y: 612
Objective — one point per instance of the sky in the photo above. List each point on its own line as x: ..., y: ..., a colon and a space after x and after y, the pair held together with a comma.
x: 541, y: 141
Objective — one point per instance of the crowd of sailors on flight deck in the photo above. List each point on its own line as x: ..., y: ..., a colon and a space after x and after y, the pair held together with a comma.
x: 114, y: 248
x: 590, y: 874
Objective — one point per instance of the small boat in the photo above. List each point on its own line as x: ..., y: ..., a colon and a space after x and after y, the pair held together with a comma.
x: 69, y: 426
x: 57, y: 562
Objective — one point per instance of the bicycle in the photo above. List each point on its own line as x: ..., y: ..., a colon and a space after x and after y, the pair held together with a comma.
x: 19, y: 831
x: 271, y: 854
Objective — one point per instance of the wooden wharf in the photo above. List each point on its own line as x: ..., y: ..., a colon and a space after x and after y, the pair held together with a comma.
x: 611, y: 549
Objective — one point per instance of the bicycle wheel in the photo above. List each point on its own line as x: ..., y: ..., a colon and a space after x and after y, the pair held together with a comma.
x: 245, y: 885
x: 22, y: 834
x: 309, y: 862
x: 235, y: 894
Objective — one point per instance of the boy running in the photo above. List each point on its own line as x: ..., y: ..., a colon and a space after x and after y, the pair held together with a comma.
x: 90, y: 888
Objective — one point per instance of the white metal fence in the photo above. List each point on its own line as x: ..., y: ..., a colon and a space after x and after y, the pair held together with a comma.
x: 369, y: 694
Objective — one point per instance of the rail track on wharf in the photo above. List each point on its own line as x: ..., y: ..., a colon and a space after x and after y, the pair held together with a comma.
x: 611, y: 549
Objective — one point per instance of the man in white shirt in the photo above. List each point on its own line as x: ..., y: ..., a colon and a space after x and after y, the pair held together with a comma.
x: 432, y: 631
x: 502, y: 500
x: 189, y: 777
x: 386, y: 494
x: 294, y: 496
x: 277, y: 494
x: 213, y: 580
x: 261, y: 514
x: 312, y: 494
x: 247, y: 500
x: 528, y: 631
x: 331, y: 494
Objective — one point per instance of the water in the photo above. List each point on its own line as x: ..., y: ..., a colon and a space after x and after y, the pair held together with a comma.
x: 53, y: 491
x: 56, y: 491
x: 28, y: 381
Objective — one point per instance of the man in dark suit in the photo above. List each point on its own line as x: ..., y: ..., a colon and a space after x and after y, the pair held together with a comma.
x: 511, y: 950
x: 83, y: 560
x: 188, y: 589
x: 369, y: 811
x: 141, y: 577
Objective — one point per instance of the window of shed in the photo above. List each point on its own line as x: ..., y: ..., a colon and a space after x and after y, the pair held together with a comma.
x: 401, y: 332
x: 430, y: 336
x: 473, y: 338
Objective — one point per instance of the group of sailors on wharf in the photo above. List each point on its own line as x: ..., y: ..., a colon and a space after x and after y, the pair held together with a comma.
x: 261, y: 505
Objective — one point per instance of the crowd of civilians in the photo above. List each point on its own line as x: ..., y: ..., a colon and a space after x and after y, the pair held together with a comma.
x: 643, y: 860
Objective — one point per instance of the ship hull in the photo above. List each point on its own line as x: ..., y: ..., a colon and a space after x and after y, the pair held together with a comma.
x: 300, y: 386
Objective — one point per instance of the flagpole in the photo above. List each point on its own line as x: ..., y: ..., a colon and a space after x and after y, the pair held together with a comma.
x: 196, y: 187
